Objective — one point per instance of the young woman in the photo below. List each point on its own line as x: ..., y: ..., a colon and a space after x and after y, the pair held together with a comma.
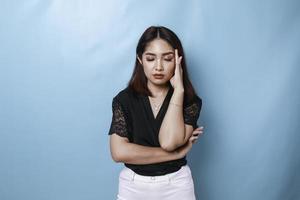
x: 154, y: 122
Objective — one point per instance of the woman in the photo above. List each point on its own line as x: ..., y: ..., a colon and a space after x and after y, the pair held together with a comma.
x: 154, y: 122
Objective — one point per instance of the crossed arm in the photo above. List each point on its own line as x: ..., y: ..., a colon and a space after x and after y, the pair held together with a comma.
x: 124, y: 151
x: 172, y: 138
x: 173, y: 132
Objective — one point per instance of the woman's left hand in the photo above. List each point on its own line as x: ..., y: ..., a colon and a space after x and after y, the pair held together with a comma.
x: 177, y: 80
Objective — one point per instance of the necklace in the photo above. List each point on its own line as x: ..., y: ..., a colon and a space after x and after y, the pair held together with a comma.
x: 156, y: 106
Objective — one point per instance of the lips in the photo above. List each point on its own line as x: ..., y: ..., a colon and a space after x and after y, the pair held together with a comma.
x: 158, y: 76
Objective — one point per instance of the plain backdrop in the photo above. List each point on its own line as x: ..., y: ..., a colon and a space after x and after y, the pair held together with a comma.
x: 62, y: 62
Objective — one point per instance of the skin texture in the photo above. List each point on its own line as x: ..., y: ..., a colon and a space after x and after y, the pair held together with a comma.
x: 176, y: 141
x: 160, y: 57
x: 125, y: 152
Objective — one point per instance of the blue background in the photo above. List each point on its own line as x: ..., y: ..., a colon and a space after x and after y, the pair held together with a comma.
x: 62, y: 62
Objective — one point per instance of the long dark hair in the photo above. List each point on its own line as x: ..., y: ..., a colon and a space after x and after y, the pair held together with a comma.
x: 138, y: 80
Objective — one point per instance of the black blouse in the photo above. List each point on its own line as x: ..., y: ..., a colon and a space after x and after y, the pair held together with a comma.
x: 133, y: 118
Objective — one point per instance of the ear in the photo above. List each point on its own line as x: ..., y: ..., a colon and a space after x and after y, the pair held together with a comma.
x: 139, y: 59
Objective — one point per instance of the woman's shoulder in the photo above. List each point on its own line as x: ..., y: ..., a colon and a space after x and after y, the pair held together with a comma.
x: 194, y: 100
x: 125, y: 95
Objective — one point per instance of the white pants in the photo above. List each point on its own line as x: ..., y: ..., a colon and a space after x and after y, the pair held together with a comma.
x: 172, y: 186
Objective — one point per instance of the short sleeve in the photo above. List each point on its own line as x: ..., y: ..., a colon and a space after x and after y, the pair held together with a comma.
x: 191, y: 112
x: 119, y: 124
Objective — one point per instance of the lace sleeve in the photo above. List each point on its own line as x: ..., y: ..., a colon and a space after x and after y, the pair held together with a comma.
x: 118, y: 122
x: 191, y: 112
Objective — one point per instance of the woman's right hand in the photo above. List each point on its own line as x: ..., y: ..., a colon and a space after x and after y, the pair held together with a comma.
x: 183, y: 150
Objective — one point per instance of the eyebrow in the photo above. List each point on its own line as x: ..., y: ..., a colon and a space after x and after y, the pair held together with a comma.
x: 166, y: 53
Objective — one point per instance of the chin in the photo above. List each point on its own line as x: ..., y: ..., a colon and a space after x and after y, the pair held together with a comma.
x: 161, y: 82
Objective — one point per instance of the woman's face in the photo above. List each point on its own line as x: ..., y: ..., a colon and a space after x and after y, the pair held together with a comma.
x: 158, y: 61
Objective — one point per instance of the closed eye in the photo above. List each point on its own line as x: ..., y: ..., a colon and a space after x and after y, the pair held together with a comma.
x: 168, y: 59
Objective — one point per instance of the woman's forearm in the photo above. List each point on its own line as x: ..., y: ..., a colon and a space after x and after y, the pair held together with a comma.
x: 138, y: 154
x: 172, y: 130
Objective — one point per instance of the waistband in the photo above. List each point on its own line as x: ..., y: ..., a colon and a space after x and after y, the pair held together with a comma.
x: 129, y: 173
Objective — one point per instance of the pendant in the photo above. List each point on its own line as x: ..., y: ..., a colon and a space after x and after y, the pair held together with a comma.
x: 156, y: 107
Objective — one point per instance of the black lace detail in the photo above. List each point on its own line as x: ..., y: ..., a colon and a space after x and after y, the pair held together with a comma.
x: 118, y: 123
x: 191, y: 113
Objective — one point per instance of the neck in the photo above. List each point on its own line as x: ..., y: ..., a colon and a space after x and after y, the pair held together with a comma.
x: 158, y: 90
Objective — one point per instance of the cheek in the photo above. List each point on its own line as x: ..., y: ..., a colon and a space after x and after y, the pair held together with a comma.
x: 170, y: 72
x: 169, y: 65
x: 147, y: 70
x: 170, y: 68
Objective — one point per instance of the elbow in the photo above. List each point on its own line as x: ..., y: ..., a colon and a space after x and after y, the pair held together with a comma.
x: 172, y: 145
x: 168, y: 146
x: 117, y: 157
x: 118, y: 149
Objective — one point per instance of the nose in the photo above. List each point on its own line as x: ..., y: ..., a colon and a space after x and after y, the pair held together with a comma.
x: 159, y: 66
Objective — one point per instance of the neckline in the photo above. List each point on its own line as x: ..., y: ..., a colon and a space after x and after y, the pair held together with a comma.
x: 161, y: 107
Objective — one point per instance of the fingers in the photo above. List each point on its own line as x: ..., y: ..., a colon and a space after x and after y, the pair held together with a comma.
x: 178, y: 72
x: 194, y: 138
x: 198, y: 131
x: 177, y: 58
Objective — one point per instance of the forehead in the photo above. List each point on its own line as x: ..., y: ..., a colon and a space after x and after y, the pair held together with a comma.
x: 158, y: 46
